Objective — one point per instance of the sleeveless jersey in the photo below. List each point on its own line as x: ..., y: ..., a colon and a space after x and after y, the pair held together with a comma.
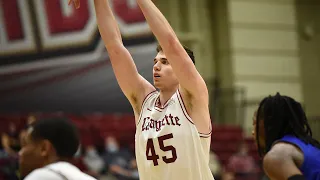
x: 311, y: 165
x: 168, y: 145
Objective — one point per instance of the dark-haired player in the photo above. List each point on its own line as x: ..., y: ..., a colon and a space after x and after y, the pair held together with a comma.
x: 284, y: 140
x: 49, y: 145
x: 173, y: 124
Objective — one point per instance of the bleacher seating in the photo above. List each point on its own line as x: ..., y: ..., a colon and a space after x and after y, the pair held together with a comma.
x: 94, y: 128
x: 226, y: 139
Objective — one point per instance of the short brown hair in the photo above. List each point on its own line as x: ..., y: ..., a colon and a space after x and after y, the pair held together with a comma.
x: 189, y: 52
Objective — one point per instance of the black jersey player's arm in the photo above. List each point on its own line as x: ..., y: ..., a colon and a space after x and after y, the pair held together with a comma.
x: 192, y: 85
x: 283, y: 161
x: 132, y: 84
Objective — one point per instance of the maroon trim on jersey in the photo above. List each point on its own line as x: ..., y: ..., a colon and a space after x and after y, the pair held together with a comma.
x: 157, y: 103
x: 183, y: 107
x: 185, y: 112
x: 206, y: 135
x: 157, y: 109
x: 202, y: 136
x: 143, y: 103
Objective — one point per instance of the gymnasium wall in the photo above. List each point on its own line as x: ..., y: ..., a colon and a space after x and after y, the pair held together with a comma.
x: 309, y: 30
x: 308, y: 14
x: 191, y: 21
x: 263, y: 50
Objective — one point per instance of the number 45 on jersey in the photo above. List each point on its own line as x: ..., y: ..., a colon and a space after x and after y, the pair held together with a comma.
x: 152, y: 155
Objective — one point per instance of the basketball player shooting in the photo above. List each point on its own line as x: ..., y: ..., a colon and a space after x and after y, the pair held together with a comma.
x: 173, y: 124
x: 284, y: 140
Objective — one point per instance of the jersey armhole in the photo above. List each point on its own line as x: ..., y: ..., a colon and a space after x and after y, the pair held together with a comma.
x: 206, y: 135
x: 183, y: 107
x: 143, y: 104
x: 186, y: 114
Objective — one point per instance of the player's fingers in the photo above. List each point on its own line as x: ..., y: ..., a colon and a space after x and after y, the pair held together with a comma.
x: 69, y: 2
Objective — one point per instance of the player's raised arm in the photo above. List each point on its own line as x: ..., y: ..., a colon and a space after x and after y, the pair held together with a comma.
x: 134, y: 86
x: 187, y: 74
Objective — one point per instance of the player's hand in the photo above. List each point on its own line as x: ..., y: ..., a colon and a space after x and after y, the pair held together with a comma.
x: 75, y: 2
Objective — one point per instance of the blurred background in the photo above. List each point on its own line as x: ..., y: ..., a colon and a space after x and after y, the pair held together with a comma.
x: 54, y: 64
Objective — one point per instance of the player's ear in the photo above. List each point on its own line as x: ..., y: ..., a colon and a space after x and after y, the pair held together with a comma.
x: 45, y: 148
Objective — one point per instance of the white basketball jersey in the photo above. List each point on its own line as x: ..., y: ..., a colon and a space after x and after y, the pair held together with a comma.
x: 168, y: 145
x: 58, y: 171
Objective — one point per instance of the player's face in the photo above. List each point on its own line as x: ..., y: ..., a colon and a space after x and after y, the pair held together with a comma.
x: 261, y: 130
x: 29, y: 156
x: 163, y: 75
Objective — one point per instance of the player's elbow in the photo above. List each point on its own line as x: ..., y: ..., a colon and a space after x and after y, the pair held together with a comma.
x: 173, y: 42
x: 168, y: 42
x: 115, y: 48
x: 112, y: 43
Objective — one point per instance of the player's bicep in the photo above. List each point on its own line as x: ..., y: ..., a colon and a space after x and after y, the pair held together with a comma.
x: 132, y: 84
x: 278, y: 164
x: 138, y: 95
x: 187, y: 74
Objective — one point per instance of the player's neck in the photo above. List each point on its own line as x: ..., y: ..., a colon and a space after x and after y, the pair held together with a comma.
x: 165, y: 95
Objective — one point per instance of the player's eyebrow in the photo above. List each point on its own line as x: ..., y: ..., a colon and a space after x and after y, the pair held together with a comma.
x: 164, y: 59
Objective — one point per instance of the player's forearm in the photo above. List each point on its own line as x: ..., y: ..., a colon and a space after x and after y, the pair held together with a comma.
x: 158, y: 23
x: 166, y: 38
x: 184, y: 69
x: 107, y: 24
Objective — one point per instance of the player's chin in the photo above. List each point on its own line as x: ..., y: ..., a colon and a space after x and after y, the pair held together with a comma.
x: 157, y: 84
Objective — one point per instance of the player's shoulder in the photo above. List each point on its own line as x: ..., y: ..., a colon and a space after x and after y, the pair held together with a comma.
x: 280, y: 152
x: 151, y: 95
x: 66, y: 169
x: 43, y: 173
x: 284, y: 148
x: 150, y: 98
x: 50, y: 174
